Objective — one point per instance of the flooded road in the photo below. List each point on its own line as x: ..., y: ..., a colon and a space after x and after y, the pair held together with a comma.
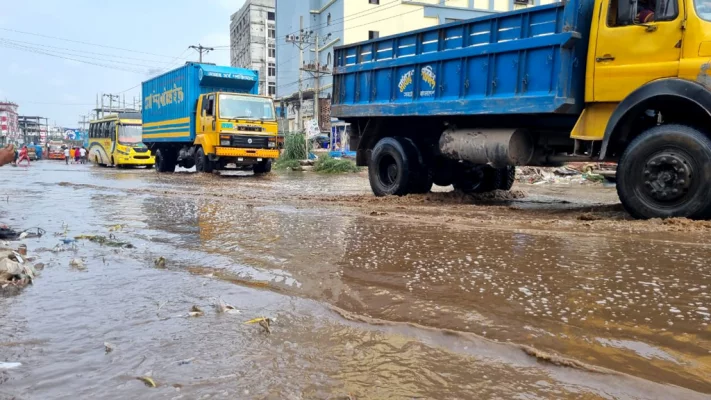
x: 545, y: 292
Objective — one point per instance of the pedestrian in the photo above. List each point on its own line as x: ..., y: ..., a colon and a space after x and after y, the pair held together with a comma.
x: 77, y: 155
x: 23, y: 156
x: 7, y: 155
x: 82, y: 152
x: 66, y: 155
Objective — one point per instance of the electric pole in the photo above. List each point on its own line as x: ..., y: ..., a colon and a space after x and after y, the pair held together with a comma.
x: 316, y: 70
x: 201, y: 49
x: 301, y: 41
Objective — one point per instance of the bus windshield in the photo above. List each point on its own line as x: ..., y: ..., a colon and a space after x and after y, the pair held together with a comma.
x: 245, y: 107
x: 130, y: 135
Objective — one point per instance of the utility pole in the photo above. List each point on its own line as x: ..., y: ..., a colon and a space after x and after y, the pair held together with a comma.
x: 302, y: 42
x: 201, y: 49
x: 317, y: 71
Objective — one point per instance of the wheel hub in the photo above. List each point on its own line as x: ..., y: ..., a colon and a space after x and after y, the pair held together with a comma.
x: 667, y: 176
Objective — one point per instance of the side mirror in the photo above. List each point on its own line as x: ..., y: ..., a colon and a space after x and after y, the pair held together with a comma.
x: 626, y: 11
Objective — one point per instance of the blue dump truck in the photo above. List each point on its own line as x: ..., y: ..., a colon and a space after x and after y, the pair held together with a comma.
x: 580, y: 80
x: 209, y: 117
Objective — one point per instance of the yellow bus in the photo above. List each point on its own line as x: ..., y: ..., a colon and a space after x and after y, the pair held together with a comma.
x: 117, y: 140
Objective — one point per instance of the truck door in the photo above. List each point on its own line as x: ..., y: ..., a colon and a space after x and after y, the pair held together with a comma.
x: 637, y: 41
x: 208, y: 114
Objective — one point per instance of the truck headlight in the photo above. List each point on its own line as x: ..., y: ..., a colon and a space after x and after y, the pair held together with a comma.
x: 224, y: 142
x: 272, y: 144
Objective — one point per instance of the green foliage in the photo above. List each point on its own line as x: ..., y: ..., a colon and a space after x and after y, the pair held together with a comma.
x: 282, y: 164
x: 294, y: 147
x: 329, y: 165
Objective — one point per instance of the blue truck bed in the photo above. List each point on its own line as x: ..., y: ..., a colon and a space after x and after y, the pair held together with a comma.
x: 170, y: 99
x: 520, y: 62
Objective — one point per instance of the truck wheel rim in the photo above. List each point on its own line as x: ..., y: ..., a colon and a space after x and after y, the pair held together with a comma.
x: 667, y: 176
x: 388, y: 170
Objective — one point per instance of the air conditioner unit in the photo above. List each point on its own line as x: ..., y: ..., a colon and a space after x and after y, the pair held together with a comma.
x: 522, y: 2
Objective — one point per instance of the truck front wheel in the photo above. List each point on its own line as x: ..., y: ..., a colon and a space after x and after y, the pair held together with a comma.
x: 665, y: 173
x: 165, y: 161
x: 263, y: 167
x: 202, y: 162
x: 393, y: 168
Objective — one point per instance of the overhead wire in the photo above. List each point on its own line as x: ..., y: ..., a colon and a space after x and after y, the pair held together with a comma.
x: 82, y: 42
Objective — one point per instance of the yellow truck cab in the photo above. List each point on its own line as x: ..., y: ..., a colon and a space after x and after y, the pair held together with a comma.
x: 236, y: 127
x: 209, y: 117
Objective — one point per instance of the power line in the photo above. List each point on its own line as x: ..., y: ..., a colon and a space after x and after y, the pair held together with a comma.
x: 72, y: 54
x: 167, y: 68
x: 81, y: 42
x: 80, y: 51
x: 11, y: 46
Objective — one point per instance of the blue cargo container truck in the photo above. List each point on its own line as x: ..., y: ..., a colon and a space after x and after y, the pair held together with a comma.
x: 581, y: 80
x: 209, y: 117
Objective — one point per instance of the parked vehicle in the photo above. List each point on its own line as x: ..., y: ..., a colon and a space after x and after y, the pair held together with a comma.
x: 56, y: 151
x: 209, y: 117
x: 578, y: 80
x: 116, y: 140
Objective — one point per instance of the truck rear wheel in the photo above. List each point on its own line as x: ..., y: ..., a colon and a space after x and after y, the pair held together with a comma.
x: 664, y: 173
x: 393, y: 167
x: 263, y: 167
x: 165, y: 160
x: 202, y: 162
x: 485, y: 179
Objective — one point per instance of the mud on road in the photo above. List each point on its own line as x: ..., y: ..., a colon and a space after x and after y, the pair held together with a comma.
x: 542, y: 292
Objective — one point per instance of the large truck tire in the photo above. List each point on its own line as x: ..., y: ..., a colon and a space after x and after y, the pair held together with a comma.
x: 504, y: 178
x: 485, y: 179
x: 263, y: 167
x: 393, y: 169
x: 165, y: 161
x: 202, y: 162
x: 666, y: 172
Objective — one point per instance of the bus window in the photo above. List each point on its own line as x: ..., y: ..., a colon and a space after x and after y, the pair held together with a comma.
x: 112, y: 130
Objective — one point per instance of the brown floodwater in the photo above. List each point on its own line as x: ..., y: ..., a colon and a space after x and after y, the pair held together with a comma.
x: 545, y: 292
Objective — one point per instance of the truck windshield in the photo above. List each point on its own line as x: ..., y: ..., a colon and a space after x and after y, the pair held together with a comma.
x: 703, y: 8
x: 245, y: 107
x: 130, y: 135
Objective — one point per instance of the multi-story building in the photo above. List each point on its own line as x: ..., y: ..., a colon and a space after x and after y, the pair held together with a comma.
x: 253, y: 41
x: 9, y: 129
x: 339, y: 22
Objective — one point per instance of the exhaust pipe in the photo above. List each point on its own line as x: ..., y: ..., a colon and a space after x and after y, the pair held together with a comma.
x: 497, y: 147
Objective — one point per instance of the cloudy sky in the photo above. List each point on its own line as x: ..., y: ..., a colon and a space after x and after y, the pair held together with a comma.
x: 55, y: 56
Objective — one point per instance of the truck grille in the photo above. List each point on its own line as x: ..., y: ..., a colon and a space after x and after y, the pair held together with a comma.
x: 140, y: 149
x: 250, y: 142
x: 250, y: 128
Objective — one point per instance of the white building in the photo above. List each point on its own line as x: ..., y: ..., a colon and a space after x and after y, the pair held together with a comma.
x: 253, y: 41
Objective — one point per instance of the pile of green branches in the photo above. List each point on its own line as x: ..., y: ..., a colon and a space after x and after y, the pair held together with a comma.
x: 329, y: 165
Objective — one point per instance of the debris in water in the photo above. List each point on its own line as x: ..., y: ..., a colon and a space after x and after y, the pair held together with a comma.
x: 263, y: 322
x: 77, y: 263
x: 147, y: 380
x: 115, y: 228
x: 225, y: 308
x: 108, y: 347
x: 186, y: 361
x: 195, y: 311
x: 159, y: 262
x: 9, y: 365
x: 68, y: 241
x: 105, y: 241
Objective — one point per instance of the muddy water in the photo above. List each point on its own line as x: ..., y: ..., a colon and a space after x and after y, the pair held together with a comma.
x: 552, y: 295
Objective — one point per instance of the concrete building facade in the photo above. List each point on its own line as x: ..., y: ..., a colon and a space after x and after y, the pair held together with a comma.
x: 340, y: 22
x: 253, y: 41
x: 9, y: 126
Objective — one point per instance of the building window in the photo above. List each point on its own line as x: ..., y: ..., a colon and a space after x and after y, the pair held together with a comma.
x: 271, y: 16
x: 272, y: 88
x: 272, y: 69
x: 272, y: 32
x: 373, y: 35
x: 328, y: 19
x: 374, y: 1
x: 272, y: 50
x: 328, y: 59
